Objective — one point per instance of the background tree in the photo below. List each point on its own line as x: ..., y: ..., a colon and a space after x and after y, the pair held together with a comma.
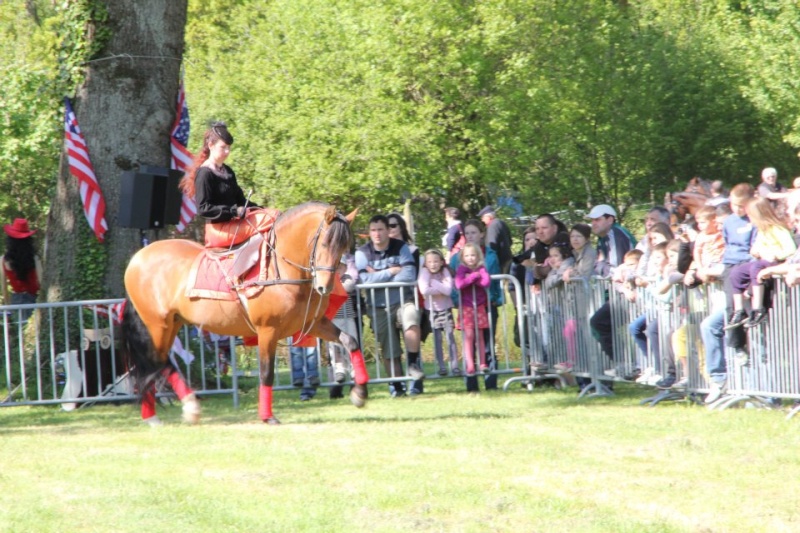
x: 130, y: 56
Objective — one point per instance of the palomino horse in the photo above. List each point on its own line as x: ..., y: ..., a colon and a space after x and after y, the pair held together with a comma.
x: 306, y: 244
x: 685, y: 203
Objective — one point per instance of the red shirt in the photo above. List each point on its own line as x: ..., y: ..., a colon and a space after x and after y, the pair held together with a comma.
x: 29, y: 285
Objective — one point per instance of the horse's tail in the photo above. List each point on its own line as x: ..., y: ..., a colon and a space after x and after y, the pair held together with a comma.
x: 138, y: 350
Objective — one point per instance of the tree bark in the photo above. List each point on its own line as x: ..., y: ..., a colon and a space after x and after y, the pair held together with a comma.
x: 125, y: 108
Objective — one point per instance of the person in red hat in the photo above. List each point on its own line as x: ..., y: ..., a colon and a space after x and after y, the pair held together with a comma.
x: 22, y: 269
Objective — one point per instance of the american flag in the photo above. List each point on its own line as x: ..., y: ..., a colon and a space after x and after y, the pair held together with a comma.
x: 113, y: 311
x: 94, y: 206
x: 181, y: 157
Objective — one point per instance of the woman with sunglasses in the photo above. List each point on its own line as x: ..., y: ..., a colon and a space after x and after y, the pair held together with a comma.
x: 412, y: 336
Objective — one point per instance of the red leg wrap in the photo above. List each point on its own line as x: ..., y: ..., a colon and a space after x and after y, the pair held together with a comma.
x: 149, y: 403
x: 176, y: 382
x: 265, y: 402
x: 357, y: 360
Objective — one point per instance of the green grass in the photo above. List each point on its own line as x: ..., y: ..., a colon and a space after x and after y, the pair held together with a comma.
x: 445, y: 461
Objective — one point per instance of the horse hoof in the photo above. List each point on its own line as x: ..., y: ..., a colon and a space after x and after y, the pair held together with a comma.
x: 272, y: 421
x: 191, y: 409
x: 358, y: 396
x: 153, y: 421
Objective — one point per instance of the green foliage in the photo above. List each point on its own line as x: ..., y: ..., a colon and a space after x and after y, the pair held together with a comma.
x: 367, y: 104
x: 556, y: 104
x: 91, y: 259
x: 84, y: 34
x: 29, y: 115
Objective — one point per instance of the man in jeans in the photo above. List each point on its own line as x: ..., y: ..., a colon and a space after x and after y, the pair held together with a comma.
x: 384, y: 260
x: 305, y: 369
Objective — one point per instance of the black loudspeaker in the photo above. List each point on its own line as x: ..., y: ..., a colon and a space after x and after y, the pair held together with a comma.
x: 149, y: 198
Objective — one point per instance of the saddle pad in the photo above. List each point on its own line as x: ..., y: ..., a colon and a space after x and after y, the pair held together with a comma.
x: 210, y: 276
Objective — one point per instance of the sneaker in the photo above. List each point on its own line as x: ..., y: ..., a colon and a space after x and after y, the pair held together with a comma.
x: 736, y: 319
x: 562, y: 368
x: 741, y: 357
x: 716, y: 392
x: 666, y: 382
x: 612, y: 373
x: 305, y: 397
x: 415, y: 372
x: 456, y: 371
x: 335, y: 392
x: 298, y: 383
x: 442, y: 371
x: 538, y: 367
x: 646, y: 376
x: 313, y: 382
x: 682, y: 384
x: 756, y: 317
x: 339, y: 374
x: 485, y: 369
x: 396, y: 393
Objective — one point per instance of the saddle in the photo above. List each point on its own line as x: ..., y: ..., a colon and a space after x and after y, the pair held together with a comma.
x: 218, y: 273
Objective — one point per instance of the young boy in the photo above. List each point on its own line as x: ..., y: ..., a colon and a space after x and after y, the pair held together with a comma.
x: 625, y: 273
x: 709, y: 246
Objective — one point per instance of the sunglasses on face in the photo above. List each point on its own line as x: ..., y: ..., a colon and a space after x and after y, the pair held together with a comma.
x: 395, y: 225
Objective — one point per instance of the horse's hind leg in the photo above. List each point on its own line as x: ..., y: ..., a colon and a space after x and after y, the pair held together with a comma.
x: 163, y: 339
x: 191, y: 406
x: 149, y: 406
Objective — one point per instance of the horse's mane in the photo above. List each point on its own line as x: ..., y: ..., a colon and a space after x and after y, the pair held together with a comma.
x: 337, y: 238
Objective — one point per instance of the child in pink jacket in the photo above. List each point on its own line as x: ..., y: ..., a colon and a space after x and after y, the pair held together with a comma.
x: 472, y: 280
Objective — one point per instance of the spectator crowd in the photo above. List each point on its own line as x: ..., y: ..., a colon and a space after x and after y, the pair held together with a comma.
x: 738, y: 240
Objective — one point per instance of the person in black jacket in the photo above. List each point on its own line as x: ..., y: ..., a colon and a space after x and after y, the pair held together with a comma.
x: 498, y: 237
x: 231, y: 218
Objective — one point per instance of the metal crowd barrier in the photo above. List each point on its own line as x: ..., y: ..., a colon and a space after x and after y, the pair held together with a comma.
x: 65, y: 353
x: 772, y: 372
x: 505, y: 360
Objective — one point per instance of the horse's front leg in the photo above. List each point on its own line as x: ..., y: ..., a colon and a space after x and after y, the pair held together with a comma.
x: 327, y: 330
x: 266, y: 353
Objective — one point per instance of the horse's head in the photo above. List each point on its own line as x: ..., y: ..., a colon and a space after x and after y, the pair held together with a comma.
x: 698, y: 185
x: 312, y: 238
x: 332, y: 241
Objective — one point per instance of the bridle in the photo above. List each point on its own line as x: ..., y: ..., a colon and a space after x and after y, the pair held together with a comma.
x: 313, y: 268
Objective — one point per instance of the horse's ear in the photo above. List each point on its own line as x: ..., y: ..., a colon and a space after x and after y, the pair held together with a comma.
x: 330, y: 214
x: 352, y: 216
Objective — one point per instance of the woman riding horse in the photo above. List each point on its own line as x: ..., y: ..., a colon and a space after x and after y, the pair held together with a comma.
x: 219, y: 198
x: 293, y: 300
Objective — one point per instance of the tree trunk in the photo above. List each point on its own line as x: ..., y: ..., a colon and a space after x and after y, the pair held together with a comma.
x: 125, y: 109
